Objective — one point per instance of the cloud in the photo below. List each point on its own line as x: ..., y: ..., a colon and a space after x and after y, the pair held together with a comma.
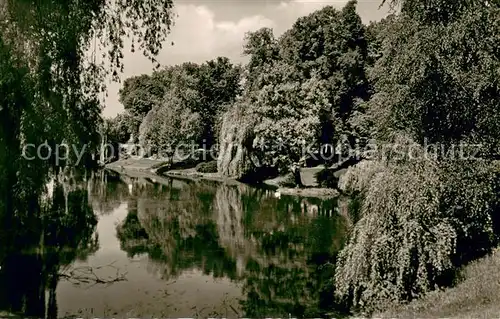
x: 287, y: 13
x: 199, y: 36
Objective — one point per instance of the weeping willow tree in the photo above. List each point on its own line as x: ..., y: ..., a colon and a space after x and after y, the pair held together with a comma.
x: 55, y: 57
x: 421, y: 219
x: 44, y: 250
x: 435, y: 208
x: 67, y: 49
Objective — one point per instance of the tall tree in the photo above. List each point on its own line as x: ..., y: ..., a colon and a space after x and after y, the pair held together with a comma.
x: 219, y: 85
x: 437, y: 79
x: 202, y: 89
x: 140, y: 94
x: 262, y: 48
x: 306, y: 95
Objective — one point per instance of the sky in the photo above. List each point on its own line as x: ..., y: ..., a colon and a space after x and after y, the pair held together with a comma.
x: 206, y: 29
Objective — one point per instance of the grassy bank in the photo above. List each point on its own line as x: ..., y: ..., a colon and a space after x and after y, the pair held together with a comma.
x: 193, y: 174
x: 148, y: 167
x: 140, y: 164
x: 309, y: 192
x: 477, y: 295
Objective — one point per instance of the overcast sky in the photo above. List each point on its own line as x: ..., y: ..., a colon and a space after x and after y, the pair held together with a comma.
x: 205, y: 29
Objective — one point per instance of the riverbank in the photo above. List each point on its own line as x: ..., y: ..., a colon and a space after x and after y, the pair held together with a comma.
x: 4, y: 314
x: 309, y: 192
x: 136, y: 164
x: 477, y: 295
x: 193, y: 174
x: 149, y: 167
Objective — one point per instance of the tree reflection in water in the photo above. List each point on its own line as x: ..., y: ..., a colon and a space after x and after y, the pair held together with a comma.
x: 282, y: 251
x: 36, y: 251
x: 176, y: 230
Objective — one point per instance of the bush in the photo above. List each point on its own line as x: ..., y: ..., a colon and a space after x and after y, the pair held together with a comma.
x: 358, y: 177
x: 208, y: 167
x: 326, y: 178
x: 185, y: 164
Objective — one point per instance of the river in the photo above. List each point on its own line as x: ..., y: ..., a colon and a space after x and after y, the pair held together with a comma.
x: 175, y: 248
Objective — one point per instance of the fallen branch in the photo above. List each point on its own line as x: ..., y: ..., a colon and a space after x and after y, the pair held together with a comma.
x: 87, y: 275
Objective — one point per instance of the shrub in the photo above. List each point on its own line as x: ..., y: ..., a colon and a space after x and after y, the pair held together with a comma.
x: 326, y: 178
x: 208, y: 167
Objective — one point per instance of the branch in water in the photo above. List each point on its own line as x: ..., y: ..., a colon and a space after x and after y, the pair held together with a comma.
x: 87, y: 275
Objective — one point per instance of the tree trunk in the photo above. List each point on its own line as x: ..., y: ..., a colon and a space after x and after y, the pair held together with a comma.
x: 296, y: 177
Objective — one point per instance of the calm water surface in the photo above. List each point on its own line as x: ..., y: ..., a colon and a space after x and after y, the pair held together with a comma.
x: 137, y: 247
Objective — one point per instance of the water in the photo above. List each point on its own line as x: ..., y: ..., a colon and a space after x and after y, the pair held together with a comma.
x: 170, y: 248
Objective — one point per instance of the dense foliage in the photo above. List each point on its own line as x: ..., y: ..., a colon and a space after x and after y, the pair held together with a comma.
x: 297, y: 92
x: 54, y: 57
x: 57, y: 42
x: 167, y: 129
x: 420, y: 220
x: 51, y: 79
x: 180, y: 104
x: 439, y: 81
x: 304, y: 86
x: 425, y: 80
x: 422, y: 216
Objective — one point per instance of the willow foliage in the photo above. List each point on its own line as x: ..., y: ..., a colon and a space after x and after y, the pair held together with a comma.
x: 436, y: 81
x: 420, y: 220
x: 56, y: 55
x: 69, y: 48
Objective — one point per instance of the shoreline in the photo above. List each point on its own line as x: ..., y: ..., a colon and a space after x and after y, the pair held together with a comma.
x: 145, y: 168
x: 479, y: 281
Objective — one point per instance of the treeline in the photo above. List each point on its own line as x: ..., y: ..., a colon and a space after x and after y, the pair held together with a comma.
x: 423, y: 79
x: 179, y: 104
x: 304, y: 87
